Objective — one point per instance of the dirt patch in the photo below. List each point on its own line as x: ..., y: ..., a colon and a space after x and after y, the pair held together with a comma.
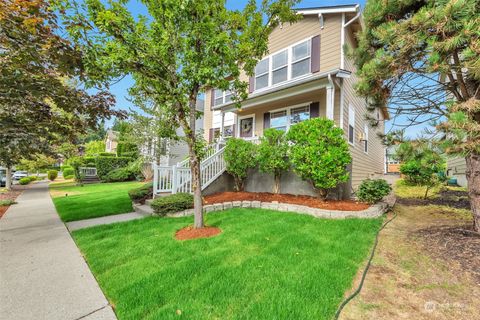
x: 10, y: 195
x: 457, y: 243
x: 190, y: 233
x: 451, y: 198
x: 420, y: 269
x: 343, y: 205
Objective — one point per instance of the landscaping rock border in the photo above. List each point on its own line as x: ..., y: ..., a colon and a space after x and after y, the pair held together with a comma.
x: 373, y: 211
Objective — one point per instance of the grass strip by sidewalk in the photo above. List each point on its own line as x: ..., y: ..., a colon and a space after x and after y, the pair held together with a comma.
x: 91, y: 200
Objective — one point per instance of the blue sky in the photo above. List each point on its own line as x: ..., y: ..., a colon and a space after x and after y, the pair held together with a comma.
x: 120, y: 89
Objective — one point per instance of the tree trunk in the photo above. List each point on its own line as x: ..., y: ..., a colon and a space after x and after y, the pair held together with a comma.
x: 473, y: 179
x: 323, y: 194
x: 426, y: 192
x: 197, y: 192
x: 276, y: 185
x: 8, y: 178
x: 238, y: 184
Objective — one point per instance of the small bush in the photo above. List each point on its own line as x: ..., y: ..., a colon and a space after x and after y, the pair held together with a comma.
x: 32, y: 178
x: 52, y: 175
x: 68, y: 172
x: 173, y: 203
x: 69, y: 177
x: 24, y: 181
x: 139, y: 195
x: 240, y: 155
x: 372, y: 191
x: 119, y: 175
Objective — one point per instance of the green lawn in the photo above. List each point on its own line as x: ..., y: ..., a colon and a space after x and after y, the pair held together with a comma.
x: 91, y: 200
x: 265, y: 265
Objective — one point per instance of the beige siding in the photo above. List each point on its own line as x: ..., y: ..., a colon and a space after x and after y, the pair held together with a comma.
x: 207, y: 114
x: 365, y: 165
x: 288, y: 34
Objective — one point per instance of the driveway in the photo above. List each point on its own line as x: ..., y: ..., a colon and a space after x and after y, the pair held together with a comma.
x: 42, y: 273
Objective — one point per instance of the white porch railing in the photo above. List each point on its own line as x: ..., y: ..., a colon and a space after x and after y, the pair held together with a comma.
x: 88, y: 172
x: 178, y: 178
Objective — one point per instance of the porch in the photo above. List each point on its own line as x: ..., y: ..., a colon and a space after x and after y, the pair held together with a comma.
x: 280, y: 108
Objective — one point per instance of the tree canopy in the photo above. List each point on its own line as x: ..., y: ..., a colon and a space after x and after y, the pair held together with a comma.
x: 41, y: 102
x: 422, y: 60
x: 181, y: 48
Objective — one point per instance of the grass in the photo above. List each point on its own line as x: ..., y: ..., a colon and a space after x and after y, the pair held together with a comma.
x: 92, y: 200
x: 404, y: 190
x: 264, y: 265
x: 6, y: 202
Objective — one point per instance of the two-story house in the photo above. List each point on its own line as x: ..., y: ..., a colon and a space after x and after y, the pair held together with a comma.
x: 306, y: 74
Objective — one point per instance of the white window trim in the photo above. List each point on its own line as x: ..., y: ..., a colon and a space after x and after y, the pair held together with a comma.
x: 289, y: 66
x: 224, y: 95
x: 365, y: 132
x: 351, y: 122
x: 239, y: 119
x: 268, y: 73
x: 289, y: 113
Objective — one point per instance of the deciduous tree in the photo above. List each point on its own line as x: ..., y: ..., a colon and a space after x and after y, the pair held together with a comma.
x: 179, y: 49
x: 40, y: 104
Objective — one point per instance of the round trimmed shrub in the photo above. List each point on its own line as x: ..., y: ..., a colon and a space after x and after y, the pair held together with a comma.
x: 172, y: 203
x: 52, y: 175
x: 373, y: 190
x: 139, y: 195
x: 24, y: 181
x: 319, y: 153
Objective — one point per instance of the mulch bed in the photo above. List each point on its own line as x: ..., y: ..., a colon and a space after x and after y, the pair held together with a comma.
x: 449, y: 198
x: 343, y: 205
x: 189, y: 233
x: 459, y: 243
x: 10, y: 195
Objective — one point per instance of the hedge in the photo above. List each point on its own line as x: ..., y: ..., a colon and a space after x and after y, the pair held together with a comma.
x: 140, y: 194
x: 68, y: 171
x: 172, y: 203
x: 119, y: 175
x: 107, y: 154
x: 106, y: 164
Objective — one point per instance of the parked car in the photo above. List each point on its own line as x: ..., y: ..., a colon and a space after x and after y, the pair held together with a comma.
x: 19, y: 175
x: 3, y: 178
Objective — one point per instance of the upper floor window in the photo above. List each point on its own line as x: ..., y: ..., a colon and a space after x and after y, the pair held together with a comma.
x: 351, y: 124
x: 287, y: 64
x: 301, y: 59
x: 221, y: 97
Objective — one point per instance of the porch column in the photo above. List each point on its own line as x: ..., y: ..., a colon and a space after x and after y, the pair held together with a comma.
x: 330, y: 101
x: 222, y: 127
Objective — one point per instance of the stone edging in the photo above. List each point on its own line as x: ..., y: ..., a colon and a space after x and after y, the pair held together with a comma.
x: 373, y: 211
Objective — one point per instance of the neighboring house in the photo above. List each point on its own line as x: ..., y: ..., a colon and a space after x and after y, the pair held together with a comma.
x: 111, y: 141
x: 305, y: 75
x: 391, y: 164
x: 456, y: 168
x: 172, y: 152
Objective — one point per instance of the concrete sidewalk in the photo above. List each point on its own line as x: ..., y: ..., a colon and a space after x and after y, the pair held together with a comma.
x: 42, y: 273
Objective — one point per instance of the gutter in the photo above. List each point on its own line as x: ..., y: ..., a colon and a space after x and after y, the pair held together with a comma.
x: 340, y: 73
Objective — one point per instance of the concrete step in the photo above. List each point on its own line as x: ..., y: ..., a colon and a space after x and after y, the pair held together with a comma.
x: 148, y: 202
x: 143, y: 209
